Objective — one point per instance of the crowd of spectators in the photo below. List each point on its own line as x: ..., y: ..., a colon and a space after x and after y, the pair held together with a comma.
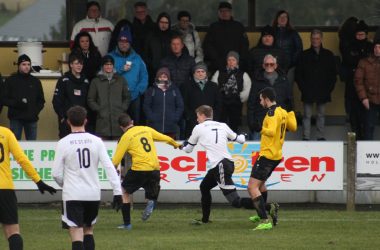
x: 160, y: 72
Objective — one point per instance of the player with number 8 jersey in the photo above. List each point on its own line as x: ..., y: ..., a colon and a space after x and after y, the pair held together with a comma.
x: 138, y: 142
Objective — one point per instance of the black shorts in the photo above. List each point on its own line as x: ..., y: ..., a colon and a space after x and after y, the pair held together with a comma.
x: 79, y: 213
x: 263, y: 168
x: 8, y: 207
x: 148, y: 180
x: 220, y: 175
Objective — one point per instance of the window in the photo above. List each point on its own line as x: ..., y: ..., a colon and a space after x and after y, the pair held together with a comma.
x: 33, y: 20
x: 318, y: 12
x: 203, y: 12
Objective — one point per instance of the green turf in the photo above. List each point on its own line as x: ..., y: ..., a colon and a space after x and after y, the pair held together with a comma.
x: 170, y: 229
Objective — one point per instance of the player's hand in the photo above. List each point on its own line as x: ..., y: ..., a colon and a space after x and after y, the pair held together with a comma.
x: 184, y: 144
x: 117, y: 202
x: 42, y: 186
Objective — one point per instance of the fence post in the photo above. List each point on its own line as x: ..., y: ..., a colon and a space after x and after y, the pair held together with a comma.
x: 351, y: 171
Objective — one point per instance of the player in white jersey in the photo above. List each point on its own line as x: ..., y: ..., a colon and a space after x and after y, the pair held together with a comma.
x: 213, y: 136
x: 75, y: 169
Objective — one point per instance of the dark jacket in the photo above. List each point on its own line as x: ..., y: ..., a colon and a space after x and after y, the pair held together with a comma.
x: 290, y: 41
x: 255, y: 112
x: 351, y: 54
x: 156, y: 48
x: 140, y: 33
x: 109, y: 99
x: 193, y: 97
x: 316, y: 75
x: 163, y: 109
x: 91, y: 63
x: 70, y: 91
x: 222, y: 37
x: 18, y: 87
x: 180, y: 67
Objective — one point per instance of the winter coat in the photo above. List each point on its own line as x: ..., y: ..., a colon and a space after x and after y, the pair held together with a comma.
x: 255, y: 112
x: 193, y: 97
x: 180, y: 67
x: 23, y: 86
x: 367, y: 79
x: 316, y: 75
x: 290, y: 41
x: 109, y: 99
x: 70, y: 91
x: 163, y: 109
x: 191, y: 40
x: 243, y: 81
x: 137, y: 76
x: 352, y: 53
x: 140, y: 33
x: 222, y: 37
x: 91, y: 63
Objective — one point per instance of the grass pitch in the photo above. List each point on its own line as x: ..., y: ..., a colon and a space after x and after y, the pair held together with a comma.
x: 169, y: 228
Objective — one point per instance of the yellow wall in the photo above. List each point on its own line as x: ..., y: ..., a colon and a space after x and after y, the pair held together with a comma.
x: 47, y: 129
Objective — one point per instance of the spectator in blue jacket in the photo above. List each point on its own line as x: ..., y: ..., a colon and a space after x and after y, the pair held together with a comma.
x: 130, y: 65
x: 163, y: 104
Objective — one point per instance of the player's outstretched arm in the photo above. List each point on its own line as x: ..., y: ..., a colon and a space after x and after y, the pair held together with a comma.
x: 157, y: 136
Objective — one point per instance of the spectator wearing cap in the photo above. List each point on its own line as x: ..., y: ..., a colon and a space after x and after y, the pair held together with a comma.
x: 234, y: 85
x: 367, y: 79
x: 71, y: 90
x: 355, y: 50
x: 179, y: 62
x: 190, y: 36
x: 200, y: 91
x: 142, y: 26
x: 266, y: 45
x: 316, y: 77
x: 24, y: 96
x: 99, y: 28
x: 223, y: 36
x: 157, y: 44
x: 131, y: 66
x: 163, y: 104
x: 109, y: 97
x: 269, y: 76
x: 85, y: 47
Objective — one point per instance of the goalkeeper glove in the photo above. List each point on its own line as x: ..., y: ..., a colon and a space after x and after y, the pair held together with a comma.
x: 42, y: 186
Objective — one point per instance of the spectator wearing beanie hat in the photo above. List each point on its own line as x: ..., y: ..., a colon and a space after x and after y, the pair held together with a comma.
x: 200, y: 91
x: 367, y: 78
x: 24, y: 96
x: 224, y: 35
x: 355, y: 50
x: 190, y: 36
x: 99, y: 28
x: 266, y: 45
x: 234, y: 85
x: 131, y: 66
x: 109, y: 97
x: 163, y: 104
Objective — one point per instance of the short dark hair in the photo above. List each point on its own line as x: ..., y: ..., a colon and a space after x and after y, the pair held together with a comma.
x: 183, y: 13
x: 205, y: 110
x: 92, y: 3
x: 124, y: 120
x: 140, y: 4
x: 76, y: 115
x: 269, y: 93
x: 75, y: 56
x: 176, y: 36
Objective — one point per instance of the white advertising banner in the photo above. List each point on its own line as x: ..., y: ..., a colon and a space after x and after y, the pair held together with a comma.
x: 368, y: 165
x: 305, y: 166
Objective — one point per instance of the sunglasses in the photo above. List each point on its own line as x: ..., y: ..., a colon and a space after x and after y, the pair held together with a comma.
x: 269, y: 64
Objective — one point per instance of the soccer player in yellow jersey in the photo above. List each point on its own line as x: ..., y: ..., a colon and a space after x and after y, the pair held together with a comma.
x: 138, y: 142
x: 8, y: 200
x: 275, y: 124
